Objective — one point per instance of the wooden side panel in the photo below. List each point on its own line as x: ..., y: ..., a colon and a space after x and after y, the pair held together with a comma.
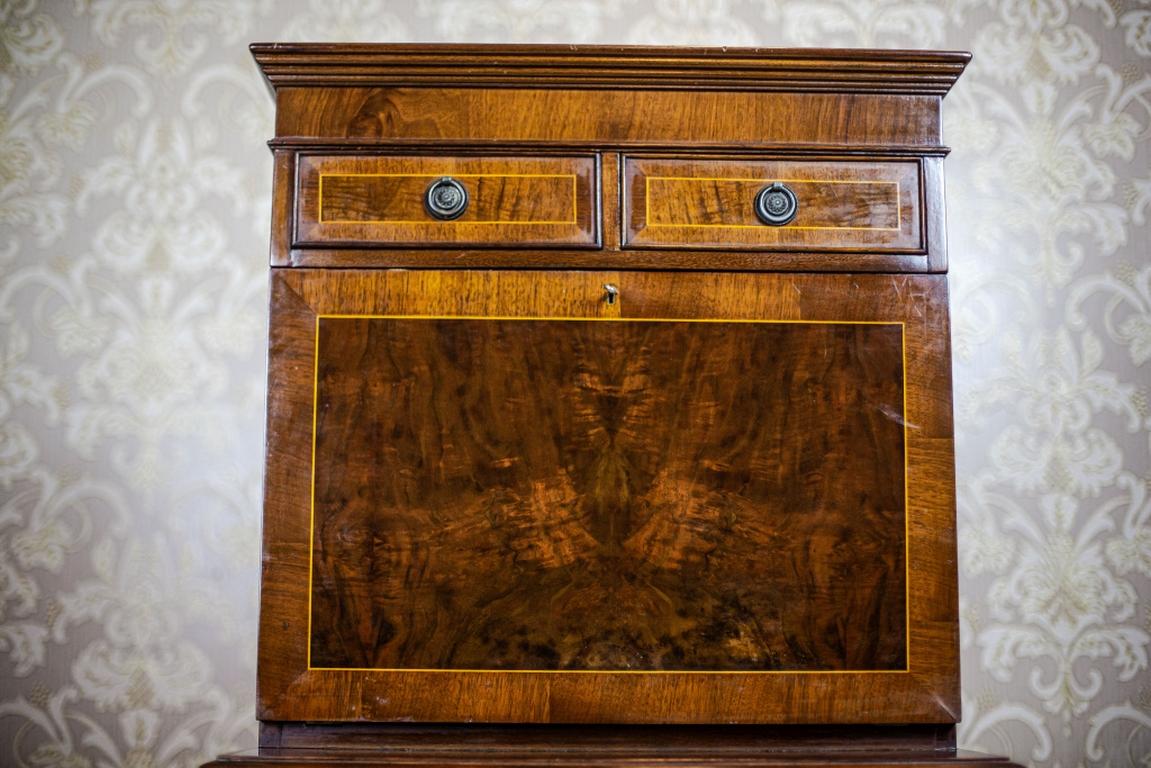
x: 704, y: 203
x: 378, y: 201
x: 925, y: 691
x: 935, y: 209
x: 283, y: 197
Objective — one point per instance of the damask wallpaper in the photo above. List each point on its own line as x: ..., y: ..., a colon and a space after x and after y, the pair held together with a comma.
x: 134, y: 196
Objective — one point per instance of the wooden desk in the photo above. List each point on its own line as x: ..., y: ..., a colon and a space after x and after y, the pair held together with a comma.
x: 609, y: 409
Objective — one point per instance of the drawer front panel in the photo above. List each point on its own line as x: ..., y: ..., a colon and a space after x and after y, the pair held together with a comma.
x: 380, y: 201
x: 842, y: 205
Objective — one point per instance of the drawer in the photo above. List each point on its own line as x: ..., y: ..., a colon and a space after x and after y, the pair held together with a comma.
x: 382, y: 201
x: 839, y: 205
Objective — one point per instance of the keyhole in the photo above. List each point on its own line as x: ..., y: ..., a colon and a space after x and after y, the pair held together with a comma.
x: 611, y: 293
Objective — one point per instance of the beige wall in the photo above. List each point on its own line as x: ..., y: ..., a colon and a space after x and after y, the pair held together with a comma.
x: 134, y: 190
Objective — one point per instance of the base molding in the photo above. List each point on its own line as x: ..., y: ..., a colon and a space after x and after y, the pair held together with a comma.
x: 322, y: 758
x: 444, y: 745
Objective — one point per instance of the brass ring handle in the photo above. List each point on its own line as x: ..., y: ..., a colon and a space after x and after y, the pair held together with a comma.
x: 446, y: 199
x: 776, y: 204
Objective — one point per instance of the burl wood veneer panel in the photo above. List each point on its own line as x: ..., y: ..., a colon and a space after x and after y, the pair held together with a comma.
x: 378, y: 201
x: 608, y: 495
x: 921, y: 690
x: 843, y: 205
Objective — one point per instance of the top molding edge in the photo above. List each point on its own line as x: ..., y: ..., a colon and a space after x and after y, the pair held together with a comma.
x: 843, y: 70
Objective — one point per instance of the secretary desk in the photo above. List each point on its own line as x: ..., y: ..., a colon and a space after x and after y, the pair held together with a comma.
x: 609, y: 409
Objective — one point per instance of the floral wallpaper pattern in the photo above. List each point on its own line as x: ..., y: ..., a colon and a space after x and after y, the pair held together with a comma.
x: 134, y: 196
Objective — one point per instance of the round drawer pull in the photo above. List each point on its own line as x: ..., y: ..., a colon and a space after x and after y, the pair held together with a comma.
x: 776, y: 205
x: 446, y: 199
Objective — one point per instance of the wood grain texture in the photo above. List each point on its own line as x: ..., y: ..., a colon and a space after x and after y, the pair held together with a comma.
x: 625, y: 118
x: 378, y: 201
x: 676, y: 202
x: 288, y: 690
x: 627, y: 495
